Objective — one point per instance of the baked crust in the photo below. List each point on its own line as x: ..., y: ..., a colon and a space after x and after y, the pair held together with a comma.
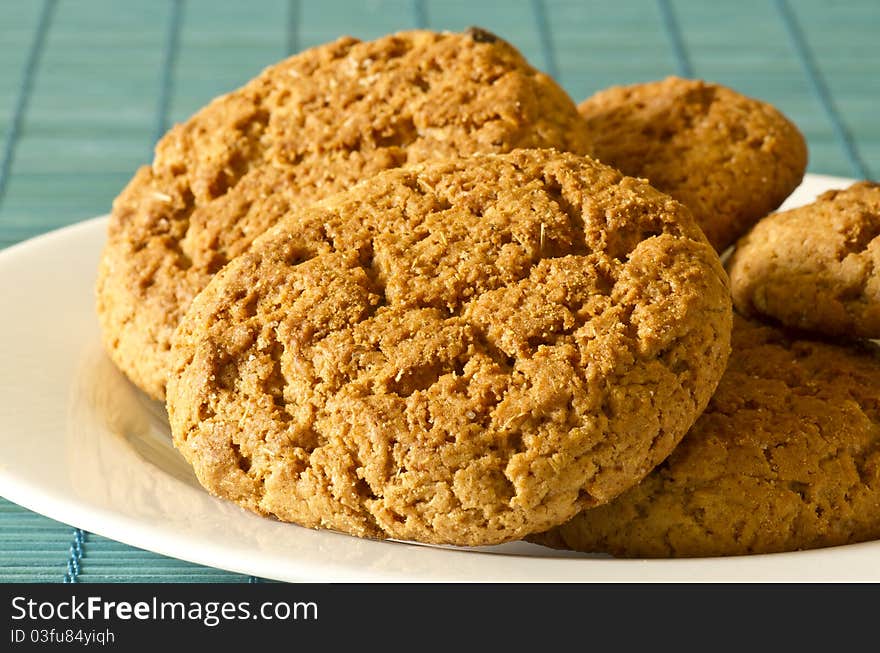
x: 303, y: 129
x: 462, y: 352
x: 729, y: 158
x: 816, y: 267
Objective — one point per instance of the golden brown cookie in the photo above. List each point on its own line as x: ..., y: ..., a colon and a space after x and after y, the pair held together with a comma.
x: 786, y: 456
x: 309, y: 126
x: 461, y: 352
x: 816, y: 267
x: 731, y: 159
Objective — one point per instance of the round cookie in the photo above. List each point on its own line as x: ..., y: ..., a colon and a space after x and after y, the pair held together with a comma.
x: 816, y: 267
x: 786, y: 457
x: 461, y: 352
x: 303, y: 129
x: 731, y: 159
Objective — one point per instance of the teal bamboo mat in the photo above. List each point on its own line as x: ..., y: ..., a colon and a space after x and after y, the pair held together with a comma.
x: 86, y: 87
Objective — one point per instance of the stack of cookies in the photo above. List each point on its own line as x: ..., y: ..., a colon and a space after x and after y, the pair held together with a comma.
x: 407, y: 288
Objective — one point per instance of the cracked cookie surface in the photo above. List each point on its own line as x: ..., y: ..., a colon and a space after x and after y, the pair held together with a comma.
x: 311, y: 125
x: 815, y: 267
x: 785, y: 457
x: 730, y: 158
x: 461, y: 352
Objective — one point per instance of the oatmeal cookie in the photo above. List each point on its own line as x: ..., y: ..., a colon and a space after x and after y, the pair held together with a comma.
x: 816, y: 267
x: 731, y: 159
x: 460, y: 352
x: 305, y: 128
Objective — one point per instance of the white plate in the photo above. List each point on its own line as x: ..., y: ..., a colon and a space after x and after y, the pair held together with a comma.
x: 81, y: 445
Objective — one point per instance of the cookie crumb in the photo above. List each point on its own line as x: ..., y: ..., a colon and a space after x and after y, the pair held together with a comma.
x: 481, y: 35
